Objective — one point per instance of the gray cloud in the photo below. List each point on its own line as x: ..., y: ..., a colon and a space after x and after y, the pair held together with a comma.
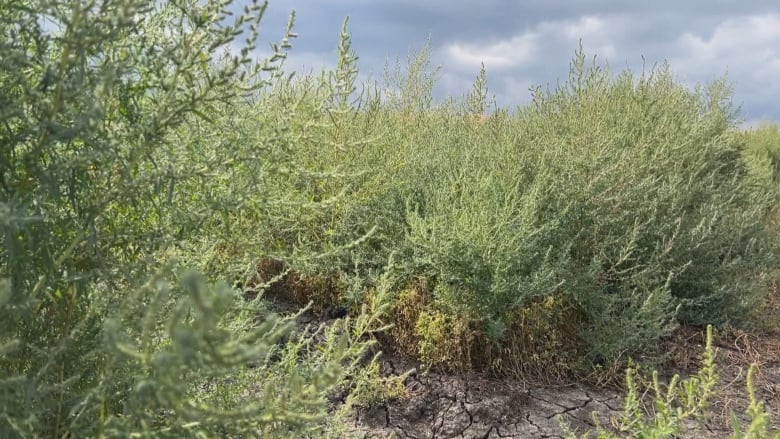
x: 531, y: 42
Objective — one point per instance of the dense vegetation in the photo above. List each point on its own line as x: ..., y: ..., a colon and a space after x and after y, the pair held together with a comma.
x: 124, y: 165
x: 157, y: 185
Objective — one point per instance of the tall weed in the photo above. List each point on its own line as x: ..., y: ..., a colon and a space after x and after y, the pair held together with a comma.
x: 126, y: 158
x: 625, y: 198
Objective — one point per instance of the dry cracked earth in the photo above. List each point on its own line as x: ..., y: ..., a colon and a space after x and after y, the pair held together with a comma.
x: 470, y: 406
x: 442, y: 406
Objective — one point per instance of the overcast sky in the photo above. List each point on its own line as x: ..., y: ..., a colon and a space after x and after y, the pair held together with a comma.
x: 527, y: 43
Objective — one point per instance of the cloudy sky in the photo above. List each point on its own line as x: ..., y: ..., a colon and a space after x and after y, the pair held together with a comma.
x: 527, y: 43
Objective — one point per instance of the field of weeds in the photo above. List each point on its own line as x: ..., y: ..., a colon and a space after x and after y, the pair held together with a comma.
x: 161, y: 196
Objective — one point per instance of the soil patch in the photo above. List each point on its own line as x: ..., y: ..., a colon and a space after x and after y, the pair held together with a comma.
x: 441, y: 405
x: 473, y: 406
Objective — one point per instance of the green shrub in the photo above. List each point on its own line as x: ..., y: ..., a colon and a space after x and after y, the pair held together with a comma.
x: 625, y: 196
x: 588, y: 223
x: 129, y: 150
x: 762, y: 152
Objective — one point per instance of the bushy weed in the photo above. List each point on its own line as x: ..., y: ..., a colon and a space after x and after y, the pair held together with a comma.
x: 626, y: 197
x: 566, y: 235
x: 131, y: 151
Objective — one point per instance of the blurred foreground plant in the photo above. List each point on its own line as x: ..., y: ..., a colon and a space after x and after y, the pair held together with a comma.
x: 98, y: 190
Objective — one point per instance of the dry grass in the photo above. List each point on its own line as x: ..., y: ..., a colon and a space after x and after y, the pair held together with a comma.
x: 542, y: 343
x: 401, y: 339
x: 281, y: 283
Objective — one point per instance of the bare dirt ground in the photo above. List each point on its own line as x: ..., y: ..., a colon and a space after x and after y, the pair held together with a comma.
x: 440, y: 405
x: 472, y: 406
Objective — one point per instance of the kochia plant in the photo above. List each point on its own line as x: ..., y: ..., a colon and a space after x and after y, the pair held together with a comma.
x: 98, y: 188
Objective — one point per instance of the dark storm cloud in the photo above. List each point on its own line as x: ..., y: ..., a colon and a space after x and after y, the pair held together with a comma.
x: 525, y: 43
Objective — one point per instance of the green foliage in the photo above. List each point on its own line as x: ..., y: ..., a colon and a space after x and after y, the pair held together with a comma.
x: 130, y: 138
x: 137, y: 143
x: 624, y: 196
x: 189, y: 368
x: 680, y: 402
x: 441, y: 339
x: 411, y: 90
x: 759, y: 422
x: 477, y: 99
x: 762, y: 153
